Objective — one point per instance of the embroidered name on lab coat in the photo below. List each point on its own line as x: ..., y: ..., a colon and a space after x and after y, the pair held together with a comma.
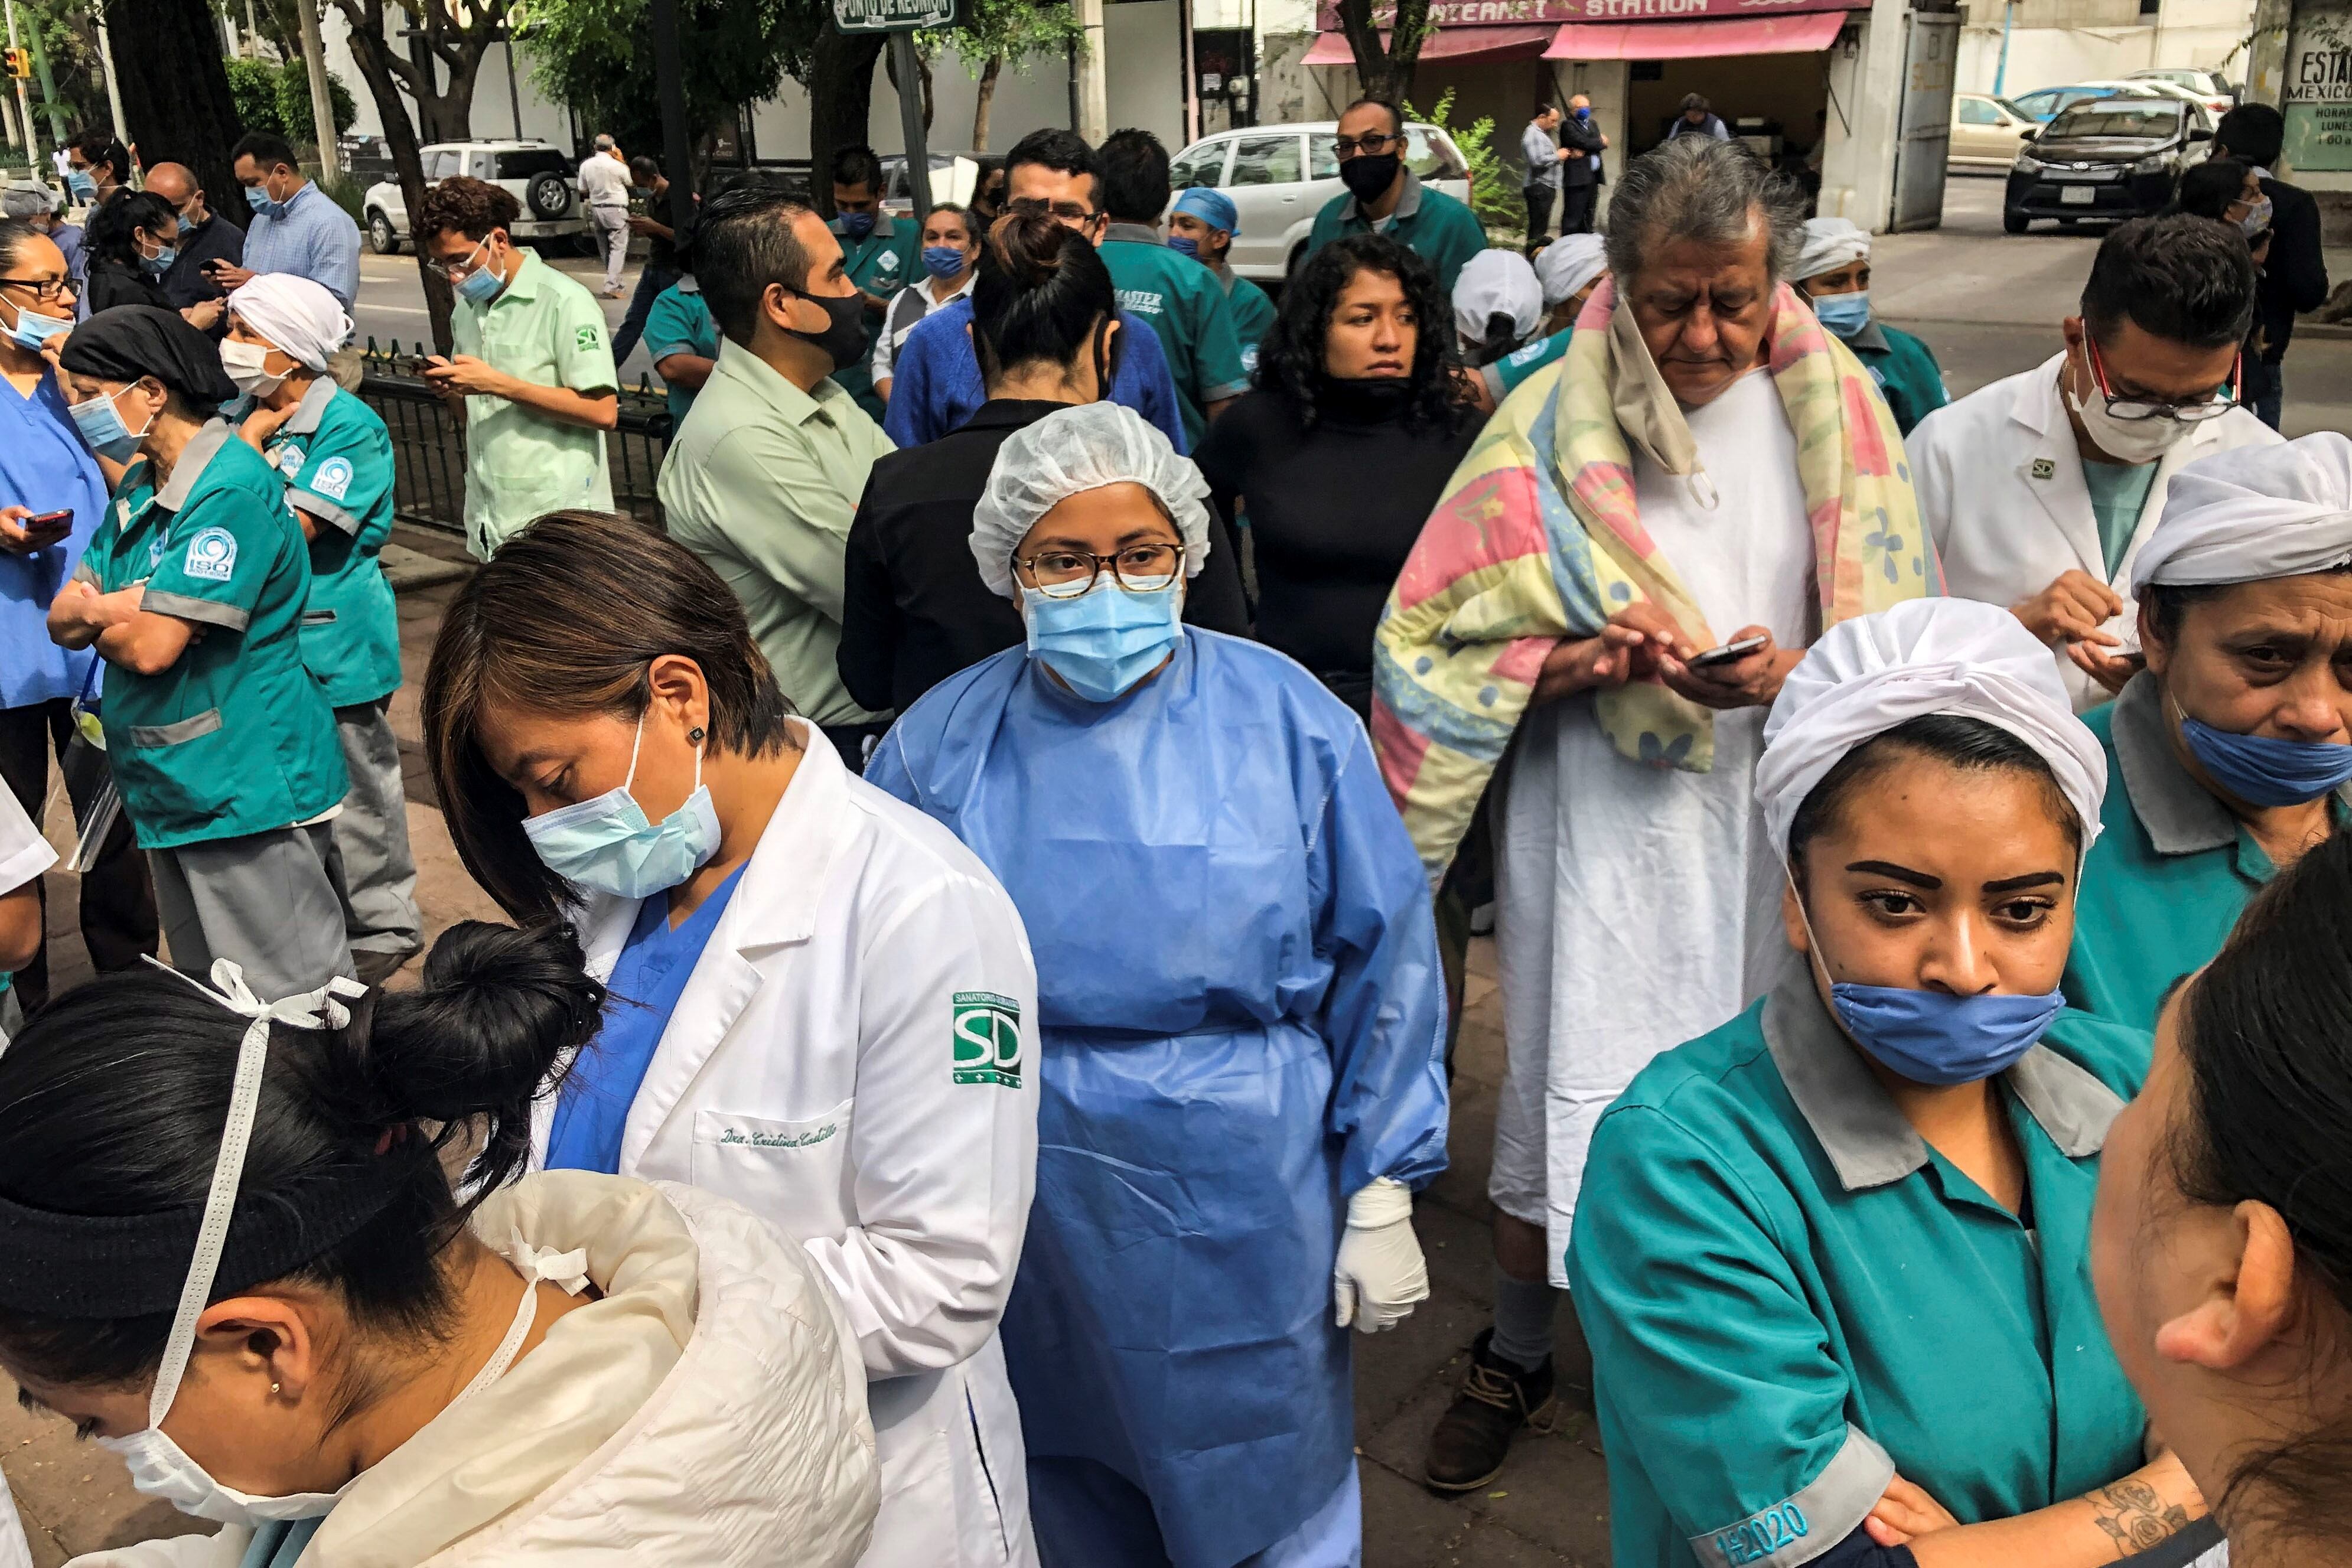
x: 739, y: 1138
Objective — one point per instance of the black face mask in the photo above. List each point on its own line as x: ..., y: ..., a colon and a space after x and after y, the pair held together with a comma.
x: 1368, y: 175
x: 1367, y: 400
x: 843, y: 338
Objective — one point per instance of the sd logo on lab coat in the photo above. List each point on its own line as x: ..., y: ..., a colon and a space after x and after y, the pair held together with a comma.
x: 987, y: 1039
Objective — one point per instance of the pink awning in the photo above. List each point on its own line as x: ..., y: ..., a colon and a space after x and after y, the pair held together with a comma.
x: 1448, y: 43
x: 1787, y: 34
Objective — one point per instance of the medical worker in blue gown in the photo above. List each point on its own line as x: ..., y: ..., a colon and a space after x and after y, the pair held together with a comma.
x: 1242, y: 1020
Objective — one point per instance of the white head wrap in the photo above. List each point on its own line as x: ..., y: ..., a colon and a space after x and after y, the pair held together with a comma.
x: 296, y: 313
x: 1830, y: 244
x: 1497, y: 280
x: 1072, y: 451
x: 1958, y: 657
x: 1567, y: 263
x: 2253, y: 513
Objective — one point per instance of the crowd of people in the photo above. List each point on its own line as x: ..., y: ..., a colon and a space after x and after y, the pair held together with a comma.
x: 991, y: 879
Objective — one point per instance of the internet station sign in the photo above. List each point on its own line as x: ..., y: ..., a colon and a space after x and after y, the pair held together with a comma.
x: 1511, y: 12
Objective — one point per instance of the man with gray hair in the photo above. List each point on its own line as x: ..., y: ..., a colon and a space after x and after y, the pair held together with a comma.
x: 604, y: 189
x: 1651, y: 529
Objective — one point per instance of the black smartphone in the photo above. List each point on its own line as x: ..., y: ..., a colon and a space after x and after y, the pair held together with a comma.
x: 43, y: 522
x: 1730, y: 653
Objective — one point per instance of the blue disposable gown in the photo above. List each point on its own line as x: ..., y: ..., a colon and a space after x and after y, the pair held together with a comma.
x: 1243, y: 1022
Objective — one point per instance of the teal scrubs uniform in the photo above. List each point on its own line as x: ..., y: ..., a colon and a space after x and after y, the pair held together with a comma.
x: 1791, y: 1297
x: 1427, y: 222
x: 881, y: 263
x: 236, y: 737
x: 2171, y: 872
x: 1254, y: 314
x: 1504, y: 376
x: 2119, y: 496
x: 680, y: 323
x: 334, y: 457
x: 1904, y: 370
x: 1186, y: 308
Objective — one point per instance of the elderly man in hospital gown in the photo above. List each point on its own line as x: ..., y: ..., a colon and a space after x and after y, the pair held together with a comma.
x: 1636, y: 552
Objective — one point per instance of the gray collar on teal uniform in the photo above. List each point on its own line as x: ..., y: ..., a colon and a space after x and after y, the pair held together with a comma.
x: 1872, y: 337
x: 2181, y: 816
x: 1408, y: 203
x: 201, y: 449
x: 1225, y: 274
x: 1134, y: 234
x: 312, y: 408
x: 686, y: 284
x: 1859, y: 1126
x: 882, y: 229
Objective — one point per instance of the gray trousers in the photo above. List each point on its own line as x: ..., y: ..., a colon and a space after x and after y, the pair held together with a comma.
x: 269, y: 901
x: 612, y: 224
x: 370, y: 838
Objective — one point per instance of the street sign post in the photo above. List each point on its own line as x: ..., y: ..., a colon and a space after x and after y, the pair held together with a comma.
x: 900, y: 18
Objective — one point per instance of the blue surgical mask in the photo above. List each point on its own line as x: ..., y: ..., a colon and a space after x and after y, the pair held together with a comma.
x: 1184, y: 245
x: 1101, y: 643
x: 943, y: 261
x: 187, y: 225
x: 1935, y: 1038
x: 101, y: 426
x: 81, y: 184
x: 482, y: 285
x: 857, y: 226
x: 259, y: 200
x: 1845, y: 313
x: 1583, y: 114
x: 32, y: 329
x: 606, y: 845
x: 2263, y: 770
x: 161, y: 262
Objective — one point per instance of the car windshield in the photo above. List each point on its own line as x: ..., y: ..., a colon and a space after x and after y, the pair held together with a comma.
x: 530, y: 165
x: 2139, y: 116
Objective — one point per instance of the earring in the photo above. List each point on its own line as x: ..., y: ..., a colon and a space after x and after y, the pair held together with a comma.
x: 273, y: 1388
x: 695, y: 735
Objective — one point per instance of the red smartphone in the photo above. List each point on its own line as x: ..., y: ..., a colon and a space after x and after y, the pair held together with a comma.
x: 57, y: 522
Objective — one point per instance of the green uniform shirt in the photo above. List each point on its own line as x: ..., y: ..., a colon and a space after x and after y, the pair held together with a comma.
x: 1187, y: 307
x: 882, y: 263
x: 1791, y: 1297
x: 334, y: 457
x: 2118, y: 493
x: 2171, y: 872
x: 520, y: 465
x: 680, y: 323
x: 760, y: 481
x: 1253, y: 314
x: 1427, y: 222
x: 236, y: 737
x: 1504, y: 376
x: 1906, y: 371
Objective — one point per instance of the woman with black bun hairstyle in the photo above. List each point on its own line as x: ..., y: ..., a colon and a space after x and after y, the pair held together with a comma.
x: 229, y: 1254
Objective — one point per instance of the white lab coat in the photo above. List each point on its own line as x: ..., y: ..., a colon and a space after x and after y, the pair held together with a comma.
x: 810, y: 1074
x: 2001, y: 488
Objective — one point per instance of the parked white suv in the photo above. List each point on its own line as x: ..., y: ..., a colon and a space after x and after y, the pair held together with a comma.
x: 1280, y: 176
x: 538, y: 174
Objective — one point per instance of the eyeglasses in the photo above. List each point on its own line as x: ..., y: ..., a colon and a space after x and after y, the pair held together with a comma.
x: 1072, y: 573
x: 1066, y: 212
x: 1373, y: 146
x: 2132, y: 409
x: 44, y: 289
x: 458, y: 271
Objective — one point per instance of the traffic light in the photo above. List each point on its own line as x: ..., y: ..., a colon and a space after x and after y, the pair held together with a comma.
x: 18, y: 61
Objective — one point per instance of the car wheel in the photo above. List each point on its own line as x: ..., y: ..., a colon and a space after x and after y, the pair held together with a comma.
x: 548, y: 196
x: 382, y: 237
x: 2012, y: 221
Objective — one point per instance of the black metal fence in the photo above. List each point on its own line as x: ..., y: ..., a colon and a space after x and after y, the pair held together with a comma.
x: 428, y: 442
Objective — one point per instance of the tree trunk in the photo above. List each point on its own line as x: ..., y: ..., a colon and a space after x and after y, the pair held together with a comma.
x: 984, y: 101
x: 1386, y: 69
x: 841, y: 102
x: 175, y: 97
x: 373, y: 56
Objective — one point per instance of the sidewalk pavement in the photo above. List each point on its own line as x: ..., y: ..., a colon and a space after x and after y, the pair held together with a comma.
x: 1549, y: 1509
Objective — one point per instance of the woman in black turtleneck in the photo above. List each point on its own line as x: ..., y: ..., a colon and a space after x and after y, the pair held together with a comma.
x: 1339, y: 454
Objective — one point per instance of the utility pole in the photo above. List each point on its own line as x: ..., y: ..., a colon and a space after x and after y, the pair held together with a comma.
x: 322, y: 105
x: 1094, y: 94
x: 669, y: 79
x: 25, y: 101
x: 49, y: 84
x: 113, y: 92
x: 910, y: 124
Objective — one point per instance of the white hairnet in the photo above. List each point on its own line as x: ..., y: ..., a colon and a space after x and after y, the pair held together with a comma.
x: 1071, y: 451
x: 1567, y: 263
x: 28, y: 199
x: 1497, y: 280
x: 1959, y: 657
x: 296, y: 313
x: 2252, y: 513
x: 1830, y: 244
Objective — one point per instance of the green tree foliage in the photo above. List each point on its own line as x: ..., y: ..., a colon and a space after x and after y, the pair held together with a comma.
x: 597, y: 57
x: 990, y: 35
x: 1494, y: 189
x: 276, y: 96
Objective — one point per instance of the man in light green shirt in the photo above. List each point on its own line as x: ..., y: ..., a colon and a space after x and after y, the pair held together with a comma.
x: 765, y: 473
x: 532, y: 371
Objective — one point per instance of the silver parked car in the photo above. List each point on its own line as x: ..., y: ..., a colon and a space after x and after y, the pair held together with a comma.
x: 1280, y: 176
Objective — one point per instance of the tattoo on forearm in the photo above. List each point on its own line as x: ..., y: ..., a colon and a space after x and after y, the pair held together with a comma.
x: 2135, y: 1515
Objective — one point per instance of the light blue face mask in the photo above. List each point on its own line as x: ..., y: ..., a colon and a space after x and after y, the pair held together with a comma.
x: 1845, y: 313
x: 81, y: 184
x: 259, y: 200
x: 161, y: 262
x: 2265, y: 770
x: 1184, y: 245
x: 101, y: 423
x: 606, y: 845
x: 32, y: 329
x: 482, y: 285
x: 1102, y: 642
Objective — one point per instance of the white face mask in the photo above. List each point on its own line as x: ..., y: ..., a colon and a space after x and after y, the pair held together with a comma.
x: 244, y: 363
x: 2132, y: 441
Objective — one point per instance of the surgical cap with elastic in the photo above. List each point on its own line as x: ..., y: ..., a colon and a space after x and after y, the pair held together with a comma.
x: 296, y: 313
x: 28, y: 199
x: 1871, y: 674
x: 1212, y: 207
x: 1068, y: 453
x: 1830, y: 244
x: 1567, y: 263
x: 2253, y: 513
x: 1497, y: 280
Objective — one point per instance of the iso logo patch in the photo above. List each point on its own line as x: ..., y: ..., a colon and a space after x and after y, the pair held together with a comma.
x: 212, y: 556
x: 987, y: 1040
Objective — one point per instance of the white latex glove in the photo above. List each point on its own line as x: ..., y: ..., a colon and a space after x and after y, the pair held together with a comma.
x: 1379, y: 1276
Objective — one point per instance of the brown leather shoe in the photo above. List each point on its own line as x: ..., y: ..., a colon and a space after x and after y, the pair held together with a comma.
x: 1473, y: 1436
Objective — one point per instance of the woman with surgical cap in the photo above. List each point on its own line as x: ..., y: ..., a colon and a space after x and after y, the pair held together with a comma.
x: 2234, y: 741
x: 1238, y: 985
x: 1830, y: 1258
x: 1833, y: 273
x: 334, y: 457
x: 1497, y: 305
x: 1568, y: 270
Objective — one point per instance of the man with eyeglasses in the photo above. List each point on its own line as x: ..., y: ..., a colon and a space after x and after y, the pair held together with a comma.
x: 1383, y: 196
x: 204, y: 236
x: 2039, y: 489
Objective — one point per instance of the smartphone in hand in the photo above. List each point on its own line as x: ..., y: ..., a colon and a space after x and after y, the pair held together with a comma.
x: 1728, y: 654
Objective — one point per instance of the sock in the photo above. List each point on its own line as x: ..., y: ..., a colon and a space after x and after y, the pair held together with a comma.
x: 1523, y: 1320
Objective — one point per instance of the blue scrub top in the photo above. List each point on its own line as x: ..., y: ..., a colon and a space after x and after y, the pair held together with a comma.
x: 45, y: 467
x: 647, y: 981
x: 935, y: 378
